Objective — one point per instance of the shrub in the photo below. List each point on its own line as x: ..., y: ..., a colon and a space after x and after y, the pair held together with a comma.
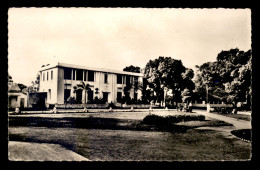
x: 154, y: 120
x: 223, y: 110
x: 160, y: 120
x: 96, y: 101
x: 111, y: 105
x: 71, y: 100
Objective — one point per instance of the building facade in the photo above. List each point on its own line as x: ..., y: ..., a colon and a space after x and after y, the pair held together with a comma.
x: 59, y: 80
x: 16, y: 98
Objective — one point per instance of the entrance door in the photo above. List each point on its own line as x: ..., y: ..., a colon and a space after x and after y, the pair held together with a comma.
x: 22, y: 102
x: 66, y: 95
x: 105, y: 96
x: 79, y: 96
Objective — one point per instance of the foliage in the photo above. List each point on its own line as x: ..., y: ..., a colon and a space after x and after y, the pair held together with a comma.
x: 10, y: 79
x: 132, y: 68
x: 135, y: 84
x: 97, y: 101
x: 86, y: 88
x: 228, y: 78
x: 223, y: 110
x: 166, y: 72
x: 81, y: 87
x: 160, y: 120
x: 22, y: 86
x: 71, y: 100
x: 35, y: 84
x: 112, y: 105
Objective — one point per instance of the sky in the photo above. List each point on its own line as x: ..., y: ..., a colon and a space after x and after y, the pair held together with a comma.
x: 114, y: 38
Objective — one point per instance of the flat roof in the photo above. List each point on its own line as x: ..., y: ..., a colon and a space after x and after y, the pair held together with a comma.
x: 89, y: 68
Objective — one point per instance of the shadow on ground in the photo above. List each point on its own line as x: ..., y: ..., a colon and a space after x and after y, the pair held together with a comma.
x: 110, y: 123
x: 243, y: 134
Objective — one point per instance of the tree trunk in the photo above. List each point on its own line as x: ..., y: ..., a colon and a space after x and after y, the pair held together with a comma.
x: 86, y: 97
x: 234, y: 111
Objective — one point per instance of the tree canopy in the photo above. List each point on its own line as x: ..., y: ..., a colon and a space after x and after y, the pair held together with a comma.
x: 132, y: 68
x: 229, y: 77
x: 169, y: 73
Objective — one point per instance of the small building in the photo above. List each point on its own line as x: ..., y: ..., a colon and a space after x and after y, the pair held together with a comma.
x: 15, y: 97
x: 59, y: 80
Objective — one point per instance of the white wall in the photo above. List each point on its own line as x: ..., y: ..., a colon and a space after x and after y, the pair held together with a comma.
x: 57, y: 85
x: 15, y: 100
x: 50, y: 84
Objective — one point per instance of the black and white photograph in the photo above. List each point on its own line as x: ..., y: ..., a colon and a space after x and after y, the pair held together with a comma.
x: 95, y: 84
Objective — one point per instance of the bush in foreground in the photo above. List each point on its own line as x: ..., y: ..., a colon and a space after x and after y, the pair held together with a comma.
x: 160, y: 120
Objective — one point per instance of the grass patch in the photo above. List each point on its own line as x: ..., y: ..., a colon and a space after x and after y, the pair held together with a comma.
x: 173, y: 123
x: 236, y: 116
x: 209, y: 123
x: 124, y: 145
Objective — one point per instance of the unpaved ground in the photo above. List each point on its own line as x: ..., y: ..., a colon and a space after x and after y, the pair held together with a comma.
x: 31, y: 151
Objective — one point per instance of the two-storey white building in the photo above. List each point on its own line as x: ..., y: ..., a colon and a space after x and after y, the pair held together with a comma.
x: 59, y: 79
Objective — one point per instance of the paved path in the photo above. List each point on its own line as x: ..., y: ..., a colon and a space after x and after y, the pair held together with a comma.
x: 238, y: 124
x: 30, y: 151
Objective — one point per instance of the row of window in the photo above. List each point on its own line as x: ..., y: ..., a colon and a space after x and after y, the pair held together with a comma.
x: 125, y: 79
x: 91, y: 95
x: 77, y: 74
x: 47, y: 76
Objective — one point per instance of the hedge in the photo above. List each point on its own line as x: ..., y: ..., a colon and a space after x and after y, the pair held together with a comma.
x: 160, y: 120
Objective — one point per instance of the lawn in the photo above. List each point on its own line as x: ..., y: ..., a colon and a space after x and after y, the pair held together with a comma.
x: 123, y: 136
x: 124, y: 145
x: 236, y: 116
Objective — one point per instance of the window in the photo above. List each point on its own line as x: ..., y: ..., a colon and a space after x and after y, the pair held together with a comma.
x: 90, y: 75
x: 43, y: 77
x: 105, y: 96
x: 119, y: 79
x: 105, y: 78
x: 119, y: 96
x: 66, y: 95
x: 51, y: 75
x: 79, y: 75
x: 90, y: 95
x: 47, y: 76
x: 127, y: 79
x: 85, y: 75
x: 73, y: 72
x: 67, y: 73
x: 49, y: 93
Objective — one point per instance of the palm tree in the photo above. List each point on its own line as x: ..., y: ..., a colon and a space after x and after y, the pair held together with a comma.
x: 86, y: 88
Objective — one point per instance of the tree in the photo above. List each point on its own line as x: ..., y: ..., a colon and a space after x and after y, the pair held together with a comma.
x: 166, y: 72
x: 229, y: 77
x: 35, y: 84
x: 133, y: 84
x: 86, y: 88
x: 82, y: 87
x: 10, y: 79
x: 132, y: 68
x: 21, y: 86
